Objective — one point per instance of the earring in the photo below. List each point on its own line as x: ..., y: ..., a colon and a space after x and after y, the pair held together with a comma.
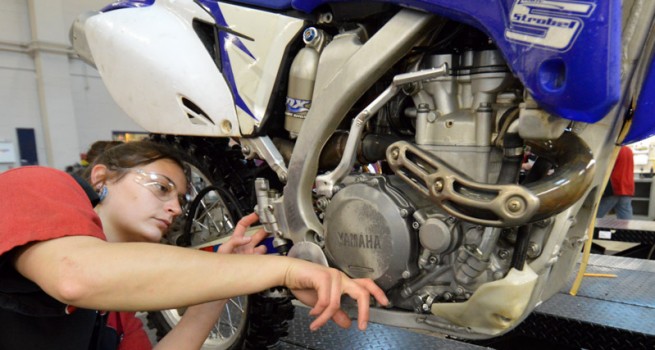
x: 102, y: 193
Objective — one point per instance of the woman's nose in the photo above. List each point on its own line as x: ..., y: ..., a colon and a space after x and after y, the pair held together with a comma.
x: 174, y: 206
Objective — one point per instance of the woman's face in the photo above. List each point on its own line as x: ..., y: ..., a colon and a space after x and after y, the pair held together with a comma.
x: 140, y: 206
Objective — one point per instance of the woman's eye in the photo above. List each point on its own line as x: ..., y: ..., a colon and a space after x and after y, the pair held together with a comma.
x: 163, y: 189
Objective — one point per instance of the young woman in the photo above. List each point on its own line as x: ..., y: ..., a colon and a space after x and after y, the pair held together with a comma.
x: 61, y: 259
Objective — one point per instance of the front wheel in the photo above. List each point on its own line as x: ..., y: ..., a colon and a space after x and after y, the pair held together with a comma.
x: 220, y: 192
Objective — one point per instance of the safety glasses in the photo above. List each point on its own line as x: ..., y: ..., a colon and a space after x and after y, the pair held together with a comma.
x: 160, y: 185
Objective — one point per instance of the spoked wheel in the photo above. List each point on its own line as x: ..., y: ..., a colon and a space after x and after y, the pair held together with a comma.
x: 227, y: 332
x: 219, y: 194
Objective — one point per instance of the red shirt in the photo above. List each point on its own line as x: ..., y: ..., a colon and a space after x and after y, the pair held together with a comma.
x: 38, y: 204
x: 623, y: 176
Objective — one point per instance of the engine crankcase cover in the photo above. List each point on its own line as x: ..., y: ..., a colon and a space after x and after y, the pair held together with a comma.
x: 368, y: 232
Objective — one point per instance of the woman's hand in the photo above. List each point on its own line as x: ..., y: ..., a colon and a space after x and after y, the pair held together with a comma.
x: 241, y: 244
x: 312, y: 284
x: 321, y: 287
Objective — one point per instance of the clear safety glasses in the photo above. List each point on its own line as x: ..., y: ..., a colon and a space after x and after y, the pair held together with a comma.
x: 160, y: 185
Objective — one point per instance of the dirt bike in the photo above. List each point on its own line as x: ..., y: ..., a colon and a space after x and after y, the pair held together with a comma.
x: 386, y: 138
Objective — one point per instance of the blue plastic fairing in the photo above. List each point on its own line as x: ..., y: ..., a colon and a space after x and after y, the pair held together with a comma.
x: 267, y: 4
x: 225, y: 39
x: 566, y: 53
x: 643, y: 122
x: 117, y: 5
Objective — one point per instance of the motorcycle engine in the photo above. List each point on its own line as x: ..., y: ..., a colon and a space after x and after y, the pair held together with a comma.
x: 369, y: 233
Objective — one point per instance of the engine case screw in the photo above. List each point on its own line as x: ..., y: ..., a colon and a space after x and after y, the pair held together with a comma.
x: 395, y: 153
x: 416, y: 225
x: 503, y: 254
x: 438, y: 186
x: 403, y: 213
x: 406, y: 274
x: 533, y: 250
x: 322, y: 203
x: 514, y: 205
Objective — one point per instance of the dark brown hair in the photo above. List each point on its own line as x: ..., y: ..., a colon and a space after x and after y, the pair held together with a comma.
x: 98, y: 147
x: 133, y: 154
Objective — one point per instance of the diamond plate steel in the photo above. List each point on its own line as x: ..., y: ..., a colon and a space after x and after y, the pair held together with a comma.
x: 607, y: 313
x: 640, y: 231
x: 376, y: 336
x: 622, y: 263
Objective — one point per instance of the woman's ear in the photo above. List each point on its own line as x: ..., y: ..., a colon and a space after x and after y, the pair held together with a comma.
x: 99, y: 174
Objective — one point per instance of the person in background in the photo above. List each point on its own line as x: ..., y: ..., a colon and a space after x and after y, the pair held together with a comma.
x: 70, y: 249
x: 621, y: 187
x: 90, y: 156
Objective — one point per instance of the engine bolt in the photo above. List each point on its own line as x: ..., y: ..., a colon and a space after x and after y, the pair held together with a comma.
x: 415, y: 225
x: 514, y: 205
x: 403, y: 213
x: 395, y: 153
x: 406, y: 274
x: 438, y: 186
x: 322, y: 203
x: 503, y: 254
x: 533, y: 250
x: 447, y: 296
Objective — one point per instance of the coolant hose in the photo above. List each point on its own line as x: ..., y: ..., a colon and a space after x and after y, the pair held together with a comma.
x: 521, y: 247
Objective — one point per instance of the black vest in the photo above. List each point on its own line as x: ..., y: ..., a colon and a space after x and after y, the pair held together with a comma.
x: 31, y: 319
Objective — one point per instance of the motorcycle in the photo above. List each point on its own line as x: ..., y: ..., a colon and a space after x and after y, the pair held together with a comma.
x: 387, y: 138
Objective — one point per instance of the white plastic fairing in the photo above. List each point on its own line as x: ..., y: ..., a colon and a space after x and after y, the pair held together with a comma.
x: 257, y: 68
x: 150, y: 59
x: 495, y: 306
x: 160, y: 73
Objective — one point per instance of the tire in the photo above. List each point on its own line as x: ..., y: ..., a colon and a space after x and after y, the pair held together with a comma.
x: 220, y: 192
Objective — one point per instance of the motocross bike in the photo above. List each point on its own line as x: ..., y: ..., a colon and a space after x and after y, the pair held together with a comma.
x: 386, y: 138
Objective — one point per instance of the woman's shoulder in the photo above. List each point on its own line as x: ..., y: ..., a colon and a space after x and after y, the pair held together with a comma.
x: 34, y: 171
x: 39, y: 181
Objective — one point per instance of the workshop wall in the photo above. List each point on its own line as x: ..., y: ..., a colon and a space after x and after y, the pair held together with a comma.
x: 44, y: 87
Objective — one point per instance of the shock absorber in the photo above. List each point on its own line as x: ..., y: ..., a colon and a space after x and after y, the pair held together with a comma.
x: 302, y: 76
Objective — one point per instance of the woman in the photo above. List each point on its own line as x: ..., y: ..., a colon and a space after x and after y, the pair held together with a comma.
x: 61, y: 258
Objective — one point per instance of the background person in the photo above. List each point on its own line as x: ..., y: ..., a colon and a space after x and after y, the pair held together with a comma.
x: 90, y: 156
x: 621, y: 187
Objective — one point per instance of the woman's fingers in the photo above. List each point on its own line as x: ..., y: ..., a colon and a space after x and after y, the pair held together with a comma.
x: 322, y: 288
x: 373, y: 289
x: 331, y: 304
x: 241, y: 244
x: 342, y: 319
x: 245, y: 222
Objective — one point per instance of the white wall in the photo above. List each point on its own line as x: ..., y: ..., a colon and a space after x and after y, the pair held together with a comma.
x: 41, y: 90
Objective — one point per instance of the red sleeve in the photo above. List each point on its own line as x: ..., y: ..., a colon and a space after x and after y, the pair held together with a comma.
x: 38, y: 203
x: 134, y: 336
x: 622, y: 178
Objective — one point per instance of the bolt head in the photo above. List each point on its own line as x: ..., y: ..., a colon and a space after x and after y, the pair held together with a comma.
x: 438, y: 186
x: 515, y: 205
x: 395, y: 153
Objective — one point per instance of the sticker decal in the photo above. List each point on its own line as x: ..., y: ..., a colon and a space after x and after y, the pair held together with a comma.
x: 550, y: 24
x: 295, y: 105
